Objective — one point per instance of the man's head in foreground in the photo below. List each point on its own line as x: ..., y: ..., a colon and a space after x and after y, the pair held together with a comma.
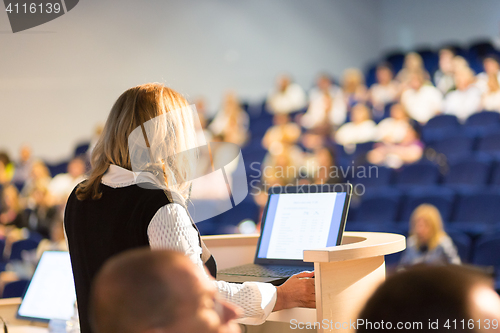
x: 144, y: 291
x: 443, y: 299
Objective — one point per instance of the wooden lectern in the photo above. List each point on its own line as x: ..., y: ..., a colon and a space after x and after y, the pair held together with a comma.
x: 346, y: 275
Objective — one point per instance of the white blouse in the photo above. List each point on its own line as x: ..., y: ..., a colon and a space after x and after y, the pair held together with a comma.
x: 171, y: 229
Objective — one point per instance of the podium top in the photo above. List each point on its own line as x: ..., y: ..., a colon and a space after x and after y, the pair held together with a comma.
x: 358, y: 245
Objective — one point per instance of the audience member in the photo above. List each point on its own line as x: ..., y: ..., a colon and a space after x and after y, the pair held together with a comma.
x: 443, y: 77
x: 360, y: 129
x: 231, y: 122
x: 6, y: 169
x: 39, y: 178
x: 23, y: 167
x: 422, y: 102
x: 433, y: 299
x: 466, y: 99
x: 491, y: 98
x: 61, y: 185
x: 394, y: 128
x: 413, y: 63
x: 287, y: 96
x: 394, y: 155
x: 353, y: 87
x: 157, y: 291
x: 385, y: 91
x: 56, y: 240
x: 323, y: 167
x: 11, y: 213
x: 283, y: 132
x: 327, y: 108
x: 491, y: 66
x: 428, y: 242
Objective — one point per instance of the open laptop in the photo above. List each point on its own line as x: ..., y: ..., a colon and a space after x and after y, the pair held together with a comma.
x: 51, y: 291
x: 295, y: 219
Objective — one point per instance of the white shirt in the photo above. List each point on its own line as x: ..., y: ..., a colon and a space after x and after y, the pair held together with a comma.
x: 171, y: 229
x: 315, y: 114
x: 352, y: 133
x: 284, y: 102
x: 491, y: 101
x: 462, y: 103
x: 392, y: 130
x: 422, y: 104
x: 482, y: 81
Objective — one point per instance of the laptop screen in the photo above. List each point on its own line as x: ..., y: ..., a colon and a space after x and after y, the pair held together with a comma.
x: 299, y: 221
x: 51, y: 292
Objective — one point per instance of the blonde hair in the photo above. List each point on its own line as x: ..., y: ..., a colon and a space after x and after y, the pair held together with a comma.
x: 352, y: 79
x: 432, y: 217
x: 133, y: 108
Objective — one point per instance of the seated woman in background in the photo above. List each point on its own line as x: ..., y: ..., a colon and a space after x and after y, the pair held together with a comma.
x: 394, y: 128
x: 327, y: 108
x: 413, y: 63
x: 286, y: 97
x: 394, y: 155
x: 385, y: 91
x: 360, y: 129
x: 354, y: 88
x: 490, y: 100
x: 428, y: 242
x: 443, y: 77
x: 231, y: 121
x: 466, y: 99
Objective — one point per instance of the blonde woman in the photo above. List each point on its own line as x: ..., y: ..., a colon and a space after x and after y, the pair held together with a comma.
x: 428, y: 242
x: 116, y: 209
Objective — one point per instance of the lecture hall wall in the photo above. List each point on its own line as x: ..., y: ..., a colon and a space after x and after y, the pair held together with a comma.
x: 59, y: 79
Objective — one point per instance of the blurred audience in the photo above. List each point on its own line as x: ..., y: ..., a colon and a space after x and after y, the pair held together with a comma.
x: 6, y: 168
x: 61, y: 185
x: 23, y: 166
x: 413, y: 63
x: 428, y: 242
x: 422, y: 102
x: 327, y: 108
x: 491, y: 65
x: 361, y: 129
x: 394, y: 128
x: 384, y: 92
x: 393, y: 155
x: 443, y: 77
x: 286, y: 97
x: 353, y: 87
x: 231, y: 122
x: 490, y: 100
x: 466, y: 99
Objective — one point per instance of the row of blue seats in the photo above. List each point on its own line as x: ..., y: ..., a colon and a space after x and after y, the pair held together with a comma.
x: 474, y: 213
x: 472, y: 172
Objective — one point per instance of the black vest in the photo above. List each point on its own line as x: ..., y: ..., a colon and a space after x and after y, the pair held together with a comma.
x: 100, y: 229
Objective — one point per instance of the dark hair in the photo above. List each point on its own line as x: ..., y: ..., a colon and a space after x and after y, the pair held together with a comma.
x: 423, y: 294
x: 4, y: 158
x: 132, y: 292
x: 386, y: 65
x: 492, y: 56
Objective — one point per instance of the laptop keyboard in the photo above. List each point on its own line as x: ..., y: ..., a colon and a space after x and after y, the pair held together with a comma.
x: 256, y: 270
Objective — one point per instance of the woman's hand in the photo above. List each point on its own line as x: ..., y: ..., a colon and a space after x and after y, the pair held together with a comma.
x: 298, y: 290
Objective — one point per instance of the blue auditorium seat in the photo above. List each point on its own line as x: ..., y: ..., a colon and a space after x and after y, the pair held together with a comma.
x: 454, y: 147
x: 20, y: 246
x: 247, y: 209
x: 469, y: 173
x: 418, y: 174
x: 81, y: 149
x: 440, y: 197
x: 487, y: 253
x: 477, y: 213
x: 58, y: 168
x: 379, y: 177
x: 439, y: 127
x: 495, y: 177
x: 490, y: 144
x: 380, y: 208
x: 463, y: 243
x: 15, y: 289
